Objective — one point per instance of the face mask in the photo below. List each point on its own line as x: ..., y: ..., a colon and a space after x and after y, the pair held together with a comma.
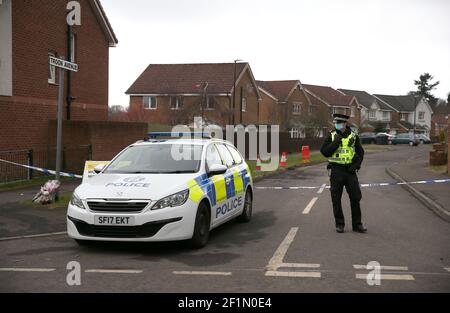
x: 339, y: 126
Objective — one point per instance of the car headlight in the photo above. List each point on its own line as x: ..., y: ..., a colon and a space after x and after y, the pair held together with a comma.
x: 176, y: 199
x: 76, y: 201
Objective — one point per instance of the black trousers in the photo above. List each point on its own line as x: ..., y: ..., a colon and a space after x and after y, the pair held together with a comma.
x: 339, y: 178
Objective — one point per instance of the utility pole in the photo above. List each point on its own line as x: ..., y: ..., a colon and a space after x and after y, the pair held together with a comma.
x: 415, y: 109
x: 234, y: 91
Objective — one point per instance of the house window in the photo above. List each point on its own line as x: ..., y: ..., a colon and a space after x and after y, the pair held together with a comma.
x: 297, y: 132
x: 150, y: 102
x: 386, y: 116
x: 296, y: 108
x: 176, y: 102
x: 312, y: 110
x: 372, y: 114
x: 403, y: 116
x: 352, y: 112
x: 421, y: 115
x: 210, y: 103
x: 244, y: 104
x: 51, y: 70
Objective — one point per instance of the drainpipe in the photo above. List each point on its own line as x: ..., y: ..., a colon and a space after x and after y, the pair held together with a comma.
x: 69, y: 98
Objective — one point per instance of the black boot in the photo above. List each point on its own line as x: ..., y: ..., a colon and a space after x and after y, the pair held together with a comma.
x: 340, y: 228
x: 359, y: 228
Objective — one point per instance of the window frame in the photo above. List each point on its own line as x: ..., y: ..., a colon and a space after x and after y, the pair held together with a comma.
x: 232, y: 149
x: 207, y: 152
x: 244, y: 104
x: 178, y: 102
x: 149, y: 104
x: 222, y: 157
x: 296, y: 108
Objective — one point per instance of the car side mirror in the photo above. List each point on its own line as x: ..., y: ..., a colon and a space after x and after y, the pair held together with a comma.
x: 99, y: 168
x: 217, y: 169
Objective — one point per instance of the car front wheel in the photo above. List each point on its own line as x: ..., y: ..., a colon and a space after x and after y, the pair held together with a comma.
x: 201, y: 228
x: 246, y: 215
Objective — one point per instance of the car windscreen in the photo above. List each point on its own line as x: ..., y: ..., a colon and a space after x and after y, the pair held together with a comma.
x: 157, y: 159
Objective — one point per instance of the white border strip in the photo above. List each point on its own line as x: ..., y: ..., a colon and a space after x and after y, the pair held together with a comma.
x: 33, y: 236
x: 383, y: 267
x: 16, y: 269
x: 388, y: 277
x: 113, y: 271
x: 201, y: 273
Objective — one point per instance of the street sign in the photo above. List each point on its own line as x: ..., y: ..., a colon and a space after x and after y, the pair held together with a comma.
x: 63, y: 64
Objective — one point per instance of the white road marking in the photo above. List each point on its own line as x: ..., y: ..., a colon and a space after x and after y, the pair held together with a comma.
x: 279, y: 254
x: 382, y: 267
x: 33, y: 236
x: 202, y: 273
x: 16, y: 269
x: 300, y: 265
x: 293, y: 274
x: 276, y: 261
x: 322, y: 188
x: 388, y: 276
x: 309, y: 206
x: 113, y: 271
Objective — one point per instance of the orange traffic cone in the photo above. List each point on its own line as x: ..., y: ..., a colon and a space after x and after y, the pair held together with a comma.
x: 258, y: 164
x: 283, y: 161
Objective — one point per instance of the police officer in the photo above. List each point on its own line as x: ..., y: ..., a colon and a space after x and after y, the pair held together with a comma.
x: 345, y: 154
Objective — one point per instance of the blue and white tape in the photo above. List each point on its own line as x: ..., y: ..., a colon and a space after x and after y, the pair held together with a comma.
x: 43, y: 170
x: 429, y: 181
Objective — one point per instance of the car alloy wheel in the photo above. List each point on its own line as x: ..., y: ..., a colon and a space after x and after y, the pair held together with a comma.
x: 246, y: 215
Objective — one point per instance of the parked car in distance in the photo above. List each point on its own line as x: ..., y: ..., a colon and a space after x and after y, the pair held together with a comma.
x: 423, y: 139
x: 408, y: 138
x: 384, y: 138
x: 367, y: 138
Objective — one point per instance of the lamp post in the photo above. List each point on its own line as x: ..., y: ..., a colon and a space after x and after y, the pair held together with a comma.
x: 415, y: 109
x: 203, y: 101
x: 234, y: 90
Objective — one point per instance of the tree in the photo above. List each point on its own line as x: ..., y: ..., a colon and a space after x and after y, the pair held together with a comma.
x: 425, y: 86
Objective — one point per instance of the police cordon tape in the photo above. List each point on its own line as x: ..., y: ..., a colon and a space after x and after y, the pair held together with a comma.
x: 43, y: 170
x: 429, y: 181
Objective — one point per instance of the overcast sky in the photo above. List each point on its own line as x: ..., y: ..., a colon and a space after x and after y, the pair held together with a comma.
x: 379, y: 46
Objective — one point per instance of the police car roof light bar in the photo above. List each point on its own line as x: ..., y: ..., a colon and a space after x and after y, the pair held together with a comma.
x: 154, y: 135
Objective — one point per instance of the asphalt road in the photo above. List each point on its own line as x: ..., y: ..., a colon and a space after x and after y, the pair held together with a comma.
x: 289, y: 246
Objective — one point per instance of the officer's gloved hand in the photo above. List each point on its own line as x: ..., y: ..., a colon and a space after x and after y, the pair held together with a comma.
x: 353, y: 168
x: 337, y: 137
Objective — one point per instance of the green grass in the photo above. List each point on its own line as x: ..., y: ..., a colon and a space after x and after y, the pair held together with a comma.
x: 63, y: 202
x: 438, y: 169
x: 39, y: 181
x: 294, y: 159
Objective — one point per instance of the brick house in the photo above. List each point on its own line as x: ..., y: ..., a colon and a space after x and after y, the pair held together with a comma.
x: 285, y: 103
x: 374, y: 113
x: 410, y: 113
x: 31, y: 31
x: 336, y: 102
x: 439, y: 120
x: 172, y: 94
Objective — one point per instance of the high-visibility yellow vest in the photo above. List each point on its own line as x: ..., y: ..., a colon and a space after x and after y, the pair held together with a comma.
x: 346, y: 151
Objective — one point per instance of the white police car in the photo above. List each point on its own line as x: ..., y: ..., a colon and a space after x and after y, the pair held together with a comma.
x: 163, y: 190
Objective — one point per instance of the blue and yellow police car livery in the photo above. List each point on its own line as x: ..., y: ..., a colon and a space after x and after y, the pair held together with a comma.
x: 153, y: 192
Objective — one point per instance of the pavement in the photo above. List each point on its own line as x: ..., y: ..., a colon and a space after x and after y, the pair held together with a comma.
x: 289, y: 246
x: 416, y: 167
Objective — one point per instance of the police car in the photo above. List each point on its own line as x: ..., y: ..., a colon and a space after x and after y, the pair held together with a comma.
x: 163, y: 189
